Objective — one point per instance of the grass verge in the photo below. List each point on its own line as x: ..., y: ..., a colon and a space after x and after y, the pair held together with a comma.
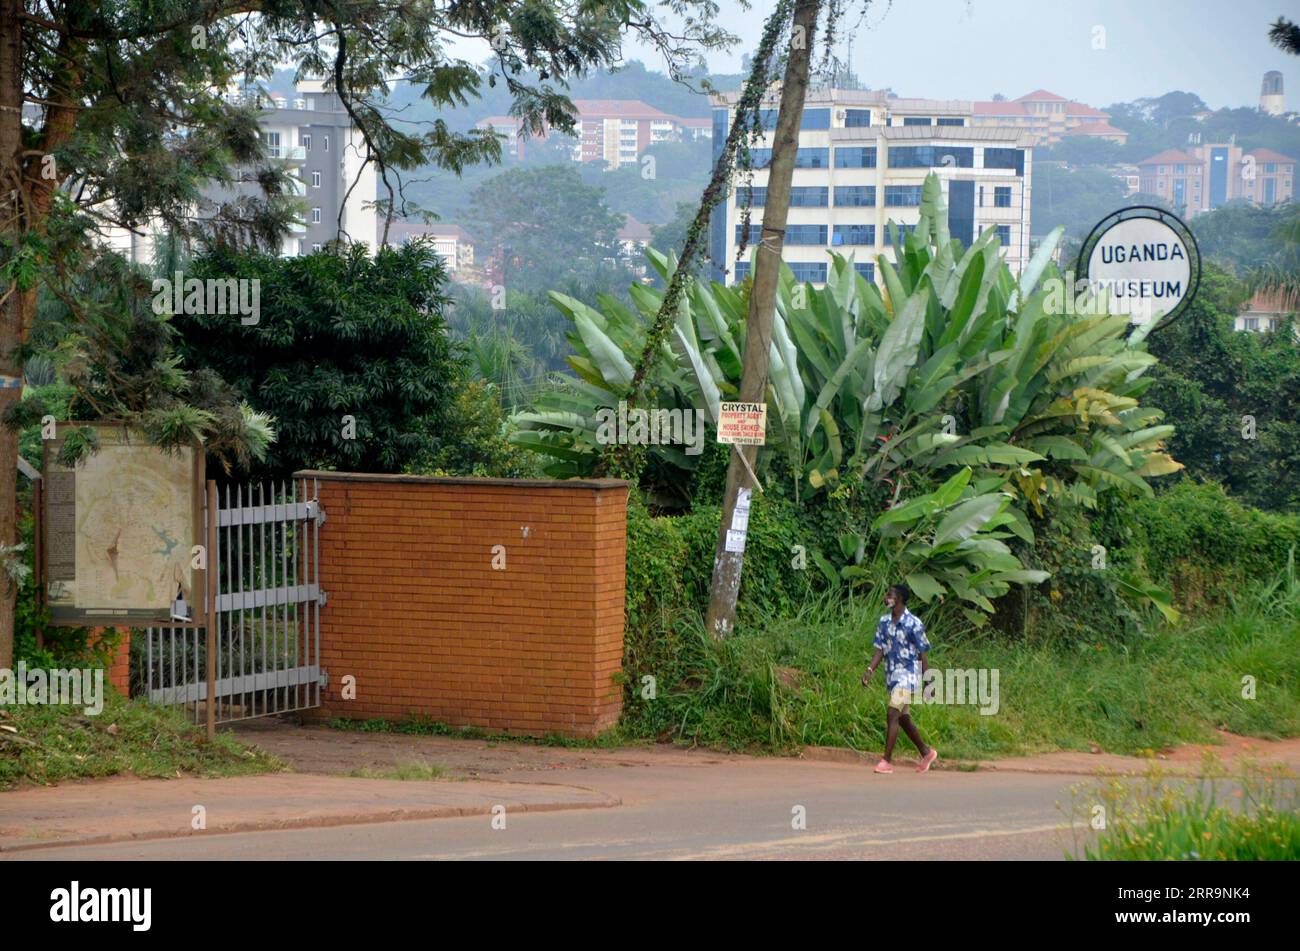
x: 794, y: 681
x: 51, y: 744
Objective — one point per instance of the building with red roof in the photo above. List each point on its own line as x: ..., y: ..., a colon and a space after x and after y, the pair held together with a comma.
x: 1203, y: 177
x: 1047, y: 117
x: 613, y: 131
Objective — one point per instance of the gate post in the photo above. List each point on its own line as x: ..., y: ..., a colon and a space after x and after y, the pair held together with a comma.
x: 210, y: 596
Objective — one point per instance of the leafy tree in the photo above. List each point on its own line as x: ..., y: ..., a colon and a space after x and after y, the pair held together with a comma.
x: 1082, y: 150
x: 345, y: 335
x: 116, y: 358
x: 563, y: 230
x: 1073, y: 198
x: 1242, y: 237
x: 670, y: 237
x: 1235, y: 397
x: 1285, y: 35
x: 130, y: 124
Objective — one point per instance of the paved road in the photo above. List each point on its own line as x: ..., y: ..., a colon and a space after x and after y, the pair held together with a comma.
x: 701, y: 806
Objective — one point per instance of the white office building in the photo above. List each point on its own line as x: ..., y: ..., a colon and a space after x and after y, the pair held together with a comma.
x: 863, y: 157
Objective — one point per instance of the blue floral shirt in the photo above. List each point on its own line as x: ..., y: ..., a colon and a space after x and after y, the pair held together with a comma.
x: 902, y: 642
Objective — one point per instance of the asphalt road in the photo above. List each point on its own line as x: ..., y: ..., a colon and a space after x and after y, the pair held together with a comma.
x: 694, y: 808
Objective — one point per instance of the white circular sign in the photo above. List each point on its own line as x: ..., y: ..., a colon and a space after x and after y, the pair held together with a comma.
x: 1143, y: 266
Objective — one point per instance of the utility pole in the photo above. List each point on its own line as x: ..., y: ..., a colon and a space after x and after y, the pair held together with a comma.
x: 727, y: 564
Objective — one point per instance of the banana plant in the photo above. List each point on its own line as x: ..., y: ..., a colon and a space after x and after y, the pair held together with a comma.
x: 948, y: 541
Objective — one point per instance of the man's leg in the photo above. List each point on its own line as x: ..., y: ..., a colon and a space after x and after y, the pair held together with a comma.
x: 891, y: 734
x: 913, y: 734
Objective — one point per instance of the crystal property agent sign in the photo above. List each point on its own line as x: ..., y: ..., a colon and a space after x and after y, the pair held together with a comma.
x: 743, y: 424
x: 1146, y: 263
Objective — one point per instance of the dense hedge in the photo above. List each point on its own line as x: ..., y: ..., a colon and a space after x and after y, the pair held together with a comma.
x: 1192, y: 540
x: 1197, y: 540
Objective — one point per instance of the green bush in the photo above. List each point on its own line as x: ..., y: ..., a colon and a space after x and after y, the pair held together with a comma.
x: 1196, y: 540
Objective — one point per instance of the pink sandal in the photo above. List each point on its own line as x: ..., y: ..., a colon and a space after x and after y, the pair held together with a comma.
x: 883, y: 767
x: 926, y: 760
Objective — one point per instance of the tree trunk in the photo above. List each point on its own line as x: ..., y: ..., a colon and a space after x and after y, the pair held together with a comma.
x: 727, y: 565
x: 11, y: 310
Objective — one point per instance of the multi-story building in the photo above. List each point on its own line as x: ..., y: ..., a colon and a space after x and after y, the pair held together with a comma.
x: 1048, y: 118
x: 1203, y: 177
x: 862, y: 159
x: 617, y: 131
x: 314, y: 135
x: 450, y: 242
x: 613, y: 131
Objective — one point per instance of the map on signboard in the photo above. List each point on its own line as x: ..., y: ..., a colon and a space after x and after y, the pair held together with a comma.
x: 119, y: 529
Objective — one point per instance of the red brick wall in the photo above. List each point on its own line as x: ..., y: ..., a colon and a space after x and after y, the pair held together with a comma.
x: 419, y: 616
x: 119, y: 669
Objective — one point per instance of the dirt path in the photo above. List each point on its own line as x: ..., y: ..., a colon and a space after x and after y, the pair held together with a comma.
x: 315, y: 749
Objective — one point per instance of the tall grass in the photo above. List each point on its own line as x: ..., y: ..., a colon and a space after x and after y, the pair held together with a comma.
x: 1255, y: 816
x: 784, y: 682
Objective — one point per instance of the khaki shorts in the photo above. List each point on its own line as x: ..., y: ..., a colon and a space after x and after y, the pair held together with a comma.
x: 900, y: 699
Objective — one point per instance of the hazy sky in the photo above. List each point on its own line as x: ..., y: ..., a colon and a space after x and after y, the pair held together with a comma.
x: 971, y: 49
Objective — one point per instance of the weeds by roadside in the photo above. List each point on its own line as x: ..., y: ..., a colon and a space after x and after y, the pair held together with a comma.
x: 1253, y: 816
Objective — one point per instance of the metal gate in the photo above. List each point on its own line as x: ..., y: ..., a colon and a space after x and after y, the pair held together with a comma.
x: 263, y: 555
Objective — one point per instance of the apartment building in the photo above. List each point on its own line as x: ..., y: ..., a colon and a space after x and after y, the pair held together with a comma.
x: 1202, y: 177
x: 314, y: 135
x: 613, y: 131
x: 450, y: 242
x: 1048, y: 118
x: 862, y: 159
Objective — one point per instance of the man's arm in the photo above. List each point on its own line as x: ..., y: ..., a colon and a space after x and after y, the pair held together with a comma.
x: 871, y: 668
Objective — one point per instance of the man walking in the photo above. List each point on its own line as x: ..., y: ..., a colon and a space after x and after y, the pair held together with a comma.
x: 900, y: 641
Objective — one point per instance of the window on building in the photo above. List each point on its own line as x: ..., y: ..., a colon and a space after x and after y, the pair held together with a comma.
x: 1004, y: 234
x: 917, y: 120
x: 272, y: 142
x: 1005, y: 158
x: 1250, y: 323
x: 325, y: 142
x: 808, y: 196
x: 315, y: 179
x: 855, y: 196
x: 931, y: 156
x: 866, y: 269
x: 755, y: 195
x: 857, y: 118
x: 948, y: 120
x: 805, y: 271
x: 315, y: 216
x: 815, y: 119
x: 854, y: 235
x: 855, y: 157
x: 315, y: 249
x: 741, y: 271
x: 981, y: 203
x: 1002, y: 196
x: 306, y: 142
x: 755, y: 232
x: 902, y: 196
x: 803, y: 158
x: 1270, y: 168
x: 805, y: 234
